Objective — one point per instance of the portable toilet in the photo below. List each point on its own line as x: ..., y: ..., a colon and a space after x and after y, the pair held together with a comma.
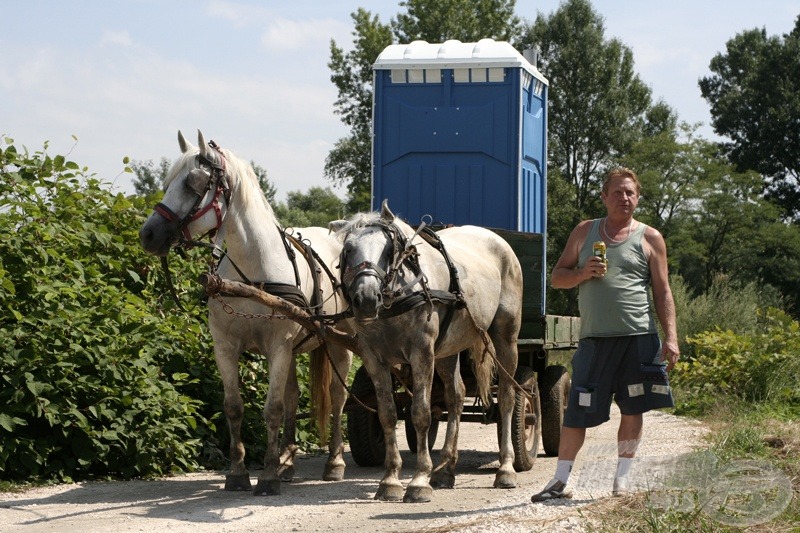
x: 460, y: 134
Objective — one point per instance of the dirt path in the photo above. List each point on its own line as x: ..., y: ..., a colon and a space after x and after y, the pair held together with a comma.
x: 196, y: 503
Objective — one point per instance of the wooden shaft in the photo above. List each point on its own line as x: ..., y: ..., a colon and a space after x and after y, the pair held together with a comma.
x: 215, y: 284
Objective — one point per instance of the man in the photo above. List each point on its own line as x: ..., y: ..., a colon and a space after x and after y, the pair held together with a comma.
x: 619, y: 353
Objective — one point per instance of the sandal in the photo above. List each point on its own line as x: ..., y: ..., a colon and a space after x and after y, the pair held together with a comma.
x: 553, y: 491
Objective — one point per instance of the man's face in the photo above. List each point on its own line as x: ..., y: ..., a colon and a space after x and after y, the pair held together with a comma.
x: 621, y: 197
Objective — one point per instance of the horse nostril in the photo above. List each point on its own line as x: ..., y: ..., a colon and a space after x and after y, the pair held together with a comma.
x: 146, y: 235
x: 357, y: 300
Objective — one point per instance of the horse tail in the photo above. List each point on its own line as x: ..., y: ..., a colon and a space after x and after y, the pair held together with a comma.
x: 321, y: 374
x: 483, y: 366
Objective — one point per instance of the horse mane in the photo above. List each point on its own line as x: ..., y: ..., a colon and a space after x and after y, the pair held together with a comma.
x: 362, y: 220
x: 244, y: 180
x: 355, y: 222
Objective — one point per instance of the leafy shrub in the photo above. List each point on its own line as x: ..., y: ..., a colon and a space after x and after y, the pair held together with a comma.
x: 728, y: 305
x: 761, y: 366
x: 93, y: 382
x: 100, y: 374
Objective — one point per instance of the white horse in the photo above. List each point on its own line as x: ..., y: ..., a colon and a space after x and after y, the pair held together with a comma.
x: 210, y: 190
x: 418, y: 305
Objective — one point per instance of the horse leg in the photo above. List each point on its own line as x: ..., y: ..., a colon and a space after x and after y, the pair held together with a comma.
x: 335, y: 465
x: 506, y: 477
x: 444, y: 474
x: 269, y: 482
x: 288, y: 447
x: 389, y: 488
x: 419, y: 489
x: 228, y: 365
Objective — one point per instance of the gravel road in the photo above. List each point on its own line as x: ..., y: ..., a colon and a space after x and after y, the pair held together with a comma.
x: 196, y: 502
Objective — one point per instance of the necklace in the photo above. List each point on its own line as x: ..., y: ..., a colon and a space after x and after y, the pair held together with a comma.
x: 630, y: 224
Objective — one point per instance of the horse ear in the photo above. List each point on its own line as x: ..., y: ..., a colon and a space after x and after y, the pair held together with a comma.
x: 334, y: 226
x: 183, y: 143
x: 203, y: 146
x: 386, y: 213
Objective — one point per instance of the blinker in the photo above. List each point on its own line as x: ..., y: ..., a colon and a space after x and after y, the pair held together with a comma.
x: 197, y: 181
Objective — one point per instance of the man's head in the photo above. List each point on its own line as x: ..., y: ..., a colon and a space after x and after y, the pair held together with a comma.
x: 621, y: 190
x: 622, y: 172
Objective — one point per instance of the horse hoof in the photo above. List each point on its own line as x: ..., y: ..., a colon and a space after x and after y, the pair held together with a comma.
x: 286, y: 473
x: 333, y: 473
x: 389, y: 493
x: 505, y: 481
x: 418, y: 495
x: 234, y: 482
x: 267, y: 487
x: 443, y: 481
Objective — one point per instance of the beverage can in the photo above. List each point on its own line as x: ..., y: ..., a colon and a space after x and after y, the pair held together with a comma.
x: 599, y: 250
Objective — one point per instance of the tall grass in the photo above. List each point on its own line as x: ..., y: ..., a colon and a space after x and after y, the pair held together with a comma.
x: 728, y: 305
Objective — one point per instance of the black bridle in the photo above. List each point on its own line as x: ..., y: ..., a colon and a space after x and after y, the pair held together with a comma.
x: 402, y: 250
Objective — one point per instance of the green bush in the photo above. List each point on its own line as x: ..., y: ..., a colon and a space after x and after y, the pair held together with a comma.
x: 760, y: 366
x: 727, y: 305
x: 95, y: 381
x: 101, y: 375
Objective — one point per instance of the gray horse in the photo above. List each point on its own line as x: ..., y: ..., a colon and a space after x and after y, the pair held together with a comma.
x: 419, y: 302
x: 210, y: 190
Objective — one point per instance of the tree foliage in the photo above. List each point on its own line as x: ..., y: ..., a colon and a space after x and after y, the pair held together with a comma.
x: 598, y: 106
x: 468, y: 21
x: 348, y: 164
x: 149, y: 178
x: 754, y: 95
x: 317, y: 207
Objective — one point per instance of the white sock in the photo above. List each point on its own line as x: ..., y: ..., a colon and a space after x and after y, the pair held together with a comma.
x: 563, y: 469
x: 624, y: 467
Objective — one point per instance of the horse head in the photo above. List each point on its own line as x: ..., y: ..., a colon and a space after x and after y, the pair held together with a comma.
x: 371, y: 245
x: 196, y: 198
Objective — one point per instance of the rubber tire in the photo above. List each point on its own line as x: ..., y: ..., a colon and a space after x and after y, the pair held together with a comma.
x: 411, y: 433
x: 364, y: 431
x: 555, y: 385
x: 524, y: 439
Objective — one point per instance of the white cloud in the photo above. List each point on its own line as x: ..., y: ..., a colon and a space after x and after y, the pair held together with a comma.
x: 119, y: 38
x: 285, y: 34
x: 241, y: 15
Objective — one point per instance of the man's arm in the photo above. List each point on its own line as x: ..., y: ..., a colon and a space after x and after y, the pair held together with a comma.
x: 662, y: 295
x: 565, y: 274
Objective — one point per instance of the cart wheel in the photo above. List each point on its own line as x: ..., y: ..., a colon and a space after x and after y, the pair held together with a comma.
x: 555, y: 393
x: 411, y: 433
x: 524, y: 430
x: 364, y: 431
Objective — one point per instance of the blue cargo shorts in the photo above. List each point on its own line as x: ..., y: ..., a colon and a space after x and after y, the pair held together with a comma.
x: 623, y: 368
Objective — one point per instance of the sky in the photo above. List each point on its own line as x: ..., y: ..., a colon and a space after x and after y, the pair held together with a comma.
x: 123, y: 76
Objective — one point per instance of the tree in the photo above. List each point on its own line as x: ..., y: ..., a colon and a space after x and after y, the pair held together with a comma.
x: 598, y: 105
x: 348, y: 163
x: 670, y: 167
x: 149, y: 178
x: 436, y: 21
x: 317, y: 207
x: 267, y: 187
x: 754, y: 95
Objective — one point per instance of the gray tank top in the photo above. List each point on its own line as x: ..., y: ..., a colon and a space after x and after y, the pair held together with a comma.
x: 618, y: 304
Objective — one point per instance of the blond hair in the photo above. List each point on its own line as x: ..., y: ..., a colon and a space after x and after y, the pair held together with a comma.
x: 622, y: 172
